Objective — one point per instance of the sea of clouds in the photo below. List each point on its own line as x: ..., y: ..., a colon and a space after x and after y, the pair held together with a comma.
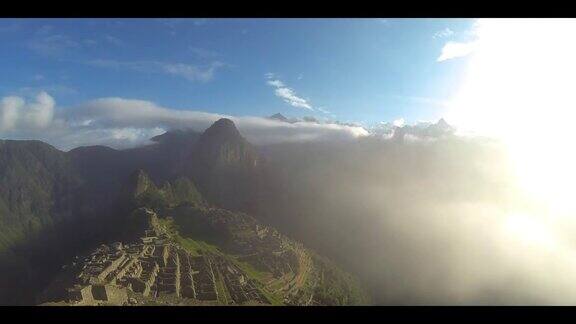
x: 122, y: 123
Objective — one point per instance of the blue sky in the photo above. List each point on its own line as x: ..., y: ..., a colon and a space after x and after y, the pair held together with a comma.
x: 352, y: 70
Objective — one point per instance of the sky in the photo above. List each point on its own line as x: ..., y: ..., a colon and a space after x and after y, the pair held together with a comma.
x: 353, y: 70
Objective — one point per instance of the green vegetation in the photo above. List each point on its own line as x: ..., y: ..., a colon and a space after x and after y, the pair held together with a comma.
x: 250, y: 270
x: 199, y: 247
x: 223, y: 294
x: 336, y: 287
x: 48, y: 215
x: 275, y: 299
x: 144, y: 192
x: 323, y: 280
x: 36, y: 185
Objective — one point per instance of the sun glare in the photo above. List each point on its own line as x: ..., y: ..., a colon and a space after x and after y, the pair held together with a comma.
x: 519, y: 87
x: 529, y: 229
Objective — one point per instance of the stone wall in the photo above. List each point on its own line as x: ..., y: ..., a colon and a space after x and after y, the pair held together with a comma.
x: 110, y: 294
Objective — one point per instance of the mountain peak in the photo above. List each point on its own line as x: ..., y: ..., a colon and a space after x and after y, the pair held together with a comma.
x: 224, y: 164
x: 222, y: 127
x: 310, y: 119
x: 222, y: 142
x: 442, y: 123
x: 280, y: 117
x: 176, y: 135
x: 140, y: 182
x: 441, y: 128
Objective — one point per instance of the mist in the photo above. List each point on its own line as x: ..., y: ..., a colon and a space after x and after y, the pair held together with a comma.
x: 425, y: 222
x: 127, y: 123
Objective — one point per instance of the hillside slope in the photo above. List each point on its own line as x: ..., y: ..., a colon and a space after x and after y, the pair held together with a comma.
x: 56, y: 205
x: 182, y: 251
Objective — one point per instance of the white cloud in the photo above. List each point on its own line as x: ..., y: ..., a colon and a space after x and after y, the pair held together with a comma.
x: 122, y: 113
x: 456, y: 49
x: 68, y: 137
x: 188, y: 71
x: 131, y: 134
x: 121, y: 123
x: 276, y: 83
x: 444, y: 33
x: 287, y: 94
x: 291, y: 98
x: 399, y: 122
x: 453, y: 49
x: 9, y: 111
x: 39, y: 114
x: 16, y: 113
x: 324, y: 111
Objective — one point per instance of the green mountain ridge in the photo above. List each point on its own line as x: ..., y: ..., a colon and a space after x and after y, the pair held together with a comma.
x: 56, y: 205
x: 250, y: 263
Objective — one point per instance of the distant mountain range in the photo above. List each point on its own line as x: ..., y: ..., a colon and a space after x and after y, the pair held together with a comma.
x: 282, y: 118
x: 423, y: 130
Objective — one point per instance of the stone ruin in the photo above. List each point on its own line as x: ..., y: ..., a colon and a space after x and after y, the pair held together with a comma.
x: 155, y: 267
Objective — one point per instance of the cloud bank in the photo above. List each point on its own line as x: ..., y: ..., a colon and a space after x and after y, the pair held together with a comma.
x: 121, y: 123
x: 16, y: 113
